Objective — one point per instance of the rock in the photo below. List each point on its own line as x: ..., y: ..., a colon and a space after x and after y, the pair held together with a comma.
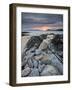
x: 35, y: 63
x: 57, y: 64
x: 49, y: 70
x: 26, y: 66
x: 25, y: 72
x: 50, y: 36
x: 39, y: 62
x: 37, y: 52
x: 34, y: 40
x: 32, y: 49
x: 42, y: 57
x: 41, y: 67
x: 39, y: 57
x: 34, y: 72
x: 29, y: 54
x: 30, y: 63
x: 24, y: 62
x: 46, y: 62
x: 45, y: 57
x: 43, y: 45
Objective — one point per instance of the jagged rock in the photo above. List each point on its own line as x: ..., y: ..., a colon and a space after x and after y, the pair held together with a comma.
x: 35, y: 63
x: 49, y: 70
x: 34, y: 72
x: 30, y: 63
x: 41, y: 67
x: 25, y: 72
x: 35, y: 41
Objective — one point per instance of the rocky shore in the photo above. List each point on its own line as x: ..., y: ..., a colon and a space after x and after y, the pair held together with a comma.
x: 42, y: 55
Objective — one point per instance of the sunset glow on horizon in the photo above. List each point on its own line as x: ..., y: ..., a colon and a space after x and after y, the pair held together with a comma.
x: 42, y: 22
x: 44, y: 28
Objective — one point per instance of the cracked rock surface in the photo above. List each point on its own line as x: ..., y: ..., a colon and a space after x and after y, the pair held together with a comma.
x: 42, y: 56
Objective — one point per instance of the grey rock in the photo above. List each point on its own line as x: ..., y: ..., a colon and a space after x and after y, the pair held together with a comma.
x: 26, y: 66
x: 35, y: 63
x: 34, y: 72
x: 30, y: 63
x: 45, y: 57
x: 39, y: 62
x: 57, y: 64
x: 25, y: 72
x: 24, y: 62
x: 43, y: 45
x: 29, y: 54
x: 46, y: 62
x: 49, y: 70
x: 38, y: 51
x: 39, y: 57
x: 41, y: 67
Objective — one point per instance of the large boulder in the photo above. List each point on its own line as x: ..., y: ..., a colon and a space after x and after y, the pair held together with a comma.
x: 25, y: 72
x: 49, y: 70
x: 34, y: 41
x: 43, y: 45
x: 57, y: 64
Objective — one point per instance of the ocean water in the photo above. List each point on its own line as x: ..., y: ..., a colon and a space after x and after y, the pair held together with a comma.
x: 37, y: 33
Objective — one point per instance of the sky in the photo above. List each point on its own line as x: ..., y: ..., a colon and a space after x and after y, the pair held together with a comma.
x: 41, y: 21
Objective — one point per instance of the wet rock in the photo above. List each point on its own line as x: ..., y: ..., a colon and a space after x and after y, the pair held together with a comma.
x: 49, y: 70
x: 34, y: 72
x: 25, y: 72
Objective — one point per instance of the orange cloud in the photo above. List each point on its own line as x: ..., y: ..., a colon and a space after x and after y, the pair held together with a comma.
x: 44, y: 28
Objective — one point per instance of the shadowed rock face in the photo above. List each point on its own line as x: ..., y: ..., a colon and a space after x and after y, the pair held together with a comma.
x: 35, y: 41
x: 41, y: 57
x: 57, y: 41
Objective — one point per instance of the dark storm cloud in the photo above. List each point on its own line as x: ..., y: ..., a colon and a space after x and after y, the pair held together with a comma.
x: 30, y: 20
